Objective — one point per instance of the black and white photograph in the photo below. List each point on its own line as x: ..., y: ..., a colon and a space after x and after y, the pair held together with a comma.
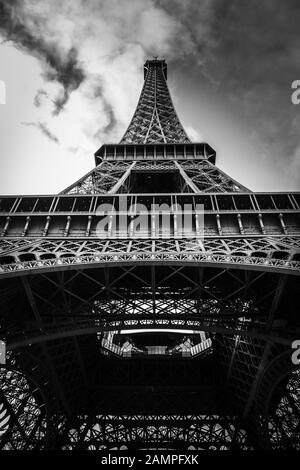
x: 149, y: 229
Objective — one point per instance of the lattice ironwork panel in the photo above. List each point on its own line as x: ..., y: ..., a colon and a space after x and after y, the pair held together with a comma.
x: 206, y: 177
x: 156, y: 432
x: 264, y: 253
x: 155, y: 119
x: 278, y: 404
x: 27, y: 403
x: 108, y: 177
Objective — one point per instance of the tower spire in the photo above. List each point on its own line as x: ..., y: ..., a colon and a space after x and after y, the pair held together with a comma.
x: 155, y: 118
x: 155, y: 122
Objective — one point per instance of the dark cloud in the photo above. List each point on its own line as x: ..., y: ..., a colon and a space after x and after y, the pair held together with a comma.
x: 112, y: 121
x: 104, y: 131
x: 38, y: 97
x: 60, y: 67
x: 69, y: 74
x: 44, y: 129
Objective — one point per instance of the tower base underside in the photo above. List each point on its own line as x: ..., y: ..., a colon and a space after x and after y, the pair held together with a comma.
x: 150, y: 357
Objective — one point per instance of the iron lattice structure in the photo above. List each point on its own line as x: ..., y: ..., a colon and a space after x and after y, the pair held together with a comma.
x: 128, y: 335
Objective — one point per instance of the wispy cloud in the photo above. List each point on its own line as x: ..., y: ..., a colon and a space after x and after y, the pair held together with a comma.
x: 44, y: 129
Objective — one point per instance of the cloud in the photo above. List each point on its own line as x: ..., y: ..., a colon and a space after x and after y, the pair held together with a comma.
x: 240, y: 57
x: 47, y: 133
x: 194, y: 135
x: 16, y: 26
x: 38, y: 99
x: 43, y: 128
x: 92, y: 52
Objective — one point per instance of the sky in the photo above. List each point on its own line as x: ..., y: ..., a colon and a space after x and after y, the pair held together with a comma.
x: 73, y: 72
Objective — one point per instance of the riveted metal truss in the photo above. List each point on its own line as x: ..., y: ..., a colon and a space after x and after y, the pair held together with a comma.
x: 106, y: 178
x: 28, y: 403
x: 81, y: 301
x: 206, y: 177
x: 22, y: 419
x: 270, y: 254
x: 111, y: 177
x: 278, y: 404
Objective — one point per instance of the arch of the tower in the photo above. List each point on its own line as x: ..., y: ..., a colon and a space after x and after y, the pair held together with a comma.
x: 130, y: 328
x: 274, y: 404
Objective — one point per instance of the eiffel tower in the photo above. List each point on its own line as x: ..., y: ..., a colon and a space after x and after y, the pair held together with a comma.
x: 121, y: 331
